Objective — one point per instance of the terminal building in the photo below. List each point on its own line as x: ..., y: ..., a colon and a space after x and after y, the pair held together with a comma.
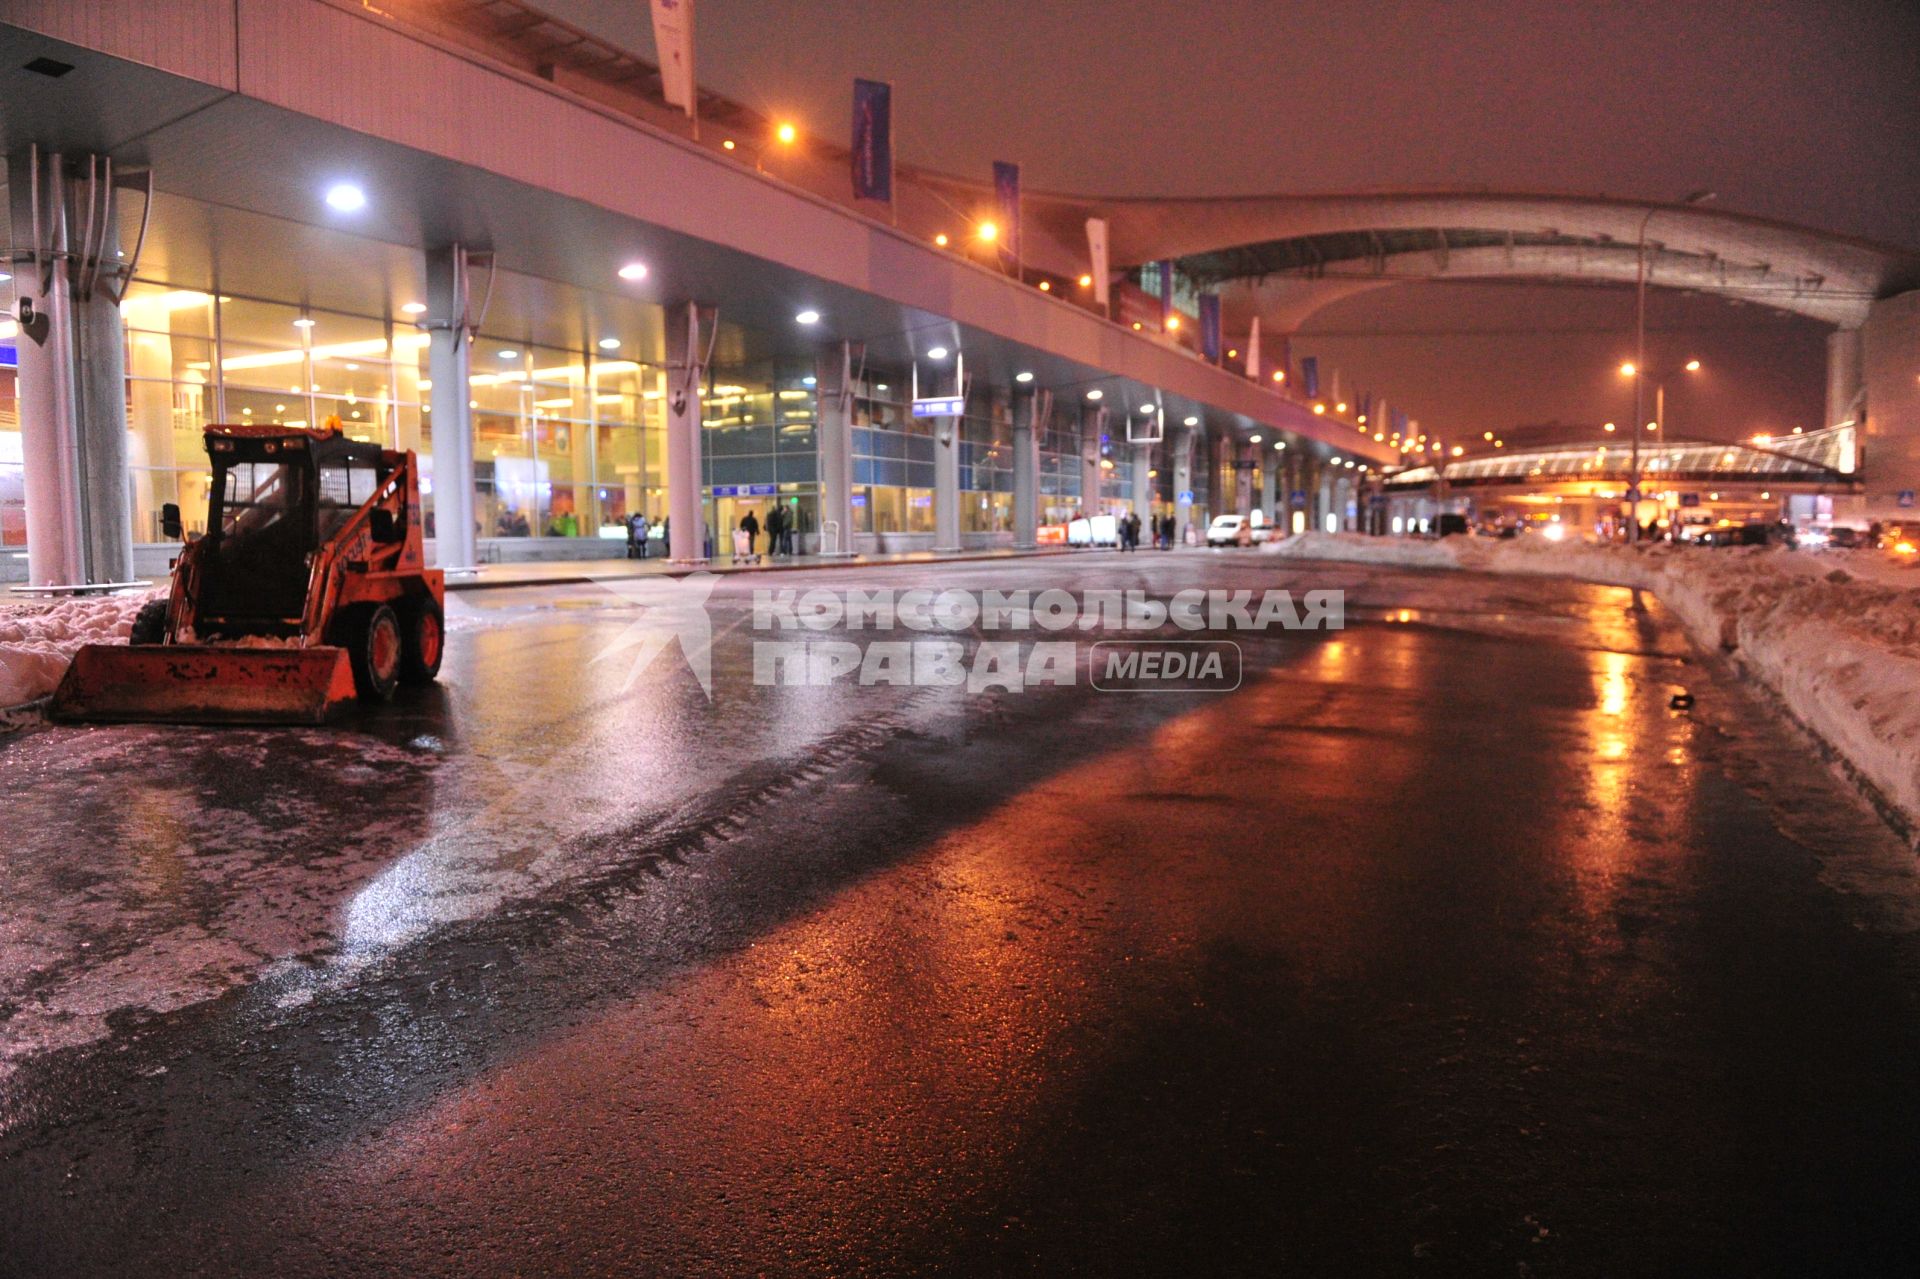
x: 467, y: 228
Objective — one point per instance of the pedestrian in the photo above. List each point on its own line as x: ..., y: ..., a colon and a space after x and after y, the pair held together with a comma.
x: 751, y: 527
x: 787, y: 521
x: 640, y: 531
x: 636, y: 535
x: 773, y: 529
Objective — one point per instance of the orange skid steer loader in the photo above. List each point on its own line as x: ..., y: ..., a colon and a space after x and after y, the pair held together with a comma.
x: 309, y: 589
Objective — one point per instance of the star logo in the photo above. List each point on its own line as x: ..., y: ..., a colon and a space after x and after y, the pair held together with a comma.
x: 672, y: 608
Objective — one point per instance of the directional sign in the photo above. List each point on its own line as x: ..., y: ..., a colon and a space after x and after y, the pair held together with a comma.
x: 1906, y: 497
x: 745, y: 490
x: 940, y: 406
x: 1299, y: 496
x: 1185, y: 495
x: 1633, y: 493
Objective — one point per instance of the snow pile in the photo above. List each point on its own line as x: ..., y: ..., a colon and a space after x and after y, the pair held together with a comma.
x: 1842, y: 652
x: 37, y: 641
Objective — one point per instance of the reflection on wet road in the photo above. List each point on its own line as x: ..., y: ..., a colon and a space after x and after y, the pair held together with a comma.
x: 1443, y: 943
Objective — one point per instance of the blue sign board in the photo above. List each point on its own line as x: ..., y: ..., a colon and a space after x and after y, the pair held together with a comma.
x: 1906, y: 497
x: 940, y: 406
x: 1299, y: 497
x: 9, y: 357
x: 1186, y: 495
x: 745, y: 490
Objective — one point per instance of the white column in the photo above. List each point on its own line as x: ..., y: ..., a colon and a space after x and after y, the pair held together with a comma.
x: 72, y: 374
x: 1244, y: 456
x: 1269, y: 478
x: 686, y: 509
x: 451, y: 397
x: 1141, y: 486
x: 833, y: 377
x: 1093, y: 424
x: 1026, y: 470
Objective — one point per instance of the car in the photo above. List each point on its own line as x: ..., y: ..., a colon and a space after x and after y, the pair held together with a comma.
x: 1228, y: 530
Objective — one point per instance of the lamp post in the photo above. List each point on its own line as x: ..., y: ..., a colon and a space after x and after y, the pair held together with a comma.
x: 1638, y: 368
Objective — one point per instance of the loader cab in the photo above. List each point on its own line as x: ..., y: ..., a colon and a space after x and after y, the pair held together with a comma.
x: 276, y: 498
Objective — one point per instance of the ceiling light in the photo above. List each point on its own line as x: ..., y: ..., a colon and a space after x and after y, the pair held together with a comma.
x: 936, y: 353
x: 1279, y: 375
x: 809, y: 381
x: 1095, y: 393
x: 786, y: 133
x: 1023, y: 377
x: 987, y: 232
x: 1253, y: 439
x: 414, y: 308
x: 634, y: 271
x: 728, y: 144
x: 808, y: 317
x: 941, y: 239
x: 345, y: 197
x: 1086, y: 281
x: 509, y: 355
x: 1191, y: 421
x: 303, y: 323
x: 609, y: 344
x: 1145, y: 409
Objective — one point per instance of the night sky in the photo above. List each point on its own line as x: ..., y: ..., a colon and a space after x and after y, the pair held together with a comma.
x: 1804, y: 110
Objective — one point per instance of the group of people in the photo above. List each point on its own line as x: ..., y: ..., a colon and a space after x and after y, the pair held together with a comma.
x: 780, y: 531
x: 1162, y: 530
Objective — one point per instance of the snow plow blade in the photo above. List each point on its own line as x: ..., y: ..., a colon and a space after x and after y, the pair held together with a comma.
x: 203, y: 684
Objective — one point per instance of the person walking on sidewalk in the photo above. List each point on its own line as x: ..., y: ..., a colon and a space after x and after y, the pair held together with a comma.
x: 751, y: 527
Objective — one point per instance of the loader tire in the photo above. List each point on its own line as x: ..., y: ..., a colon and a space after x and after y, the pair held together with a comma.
x: 425, y: 640
x: 150, y: 624
x: 373, y: 638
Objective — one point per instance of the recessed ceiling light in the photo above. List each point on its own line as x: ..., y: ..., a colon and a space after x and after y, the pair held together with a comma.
x: 1145, y: 409
x: 4, y: 277
x: 1192, y: 421
x: 936, y: 353
x: 509, y: 355
x: 634, y: 271
x: 1023, y: 377
x: 1095, y: 393
x: 303, y: 323
x: 414, y: 308
x: 346, y: 197
x: 609, y: 344
x: 808, y: 317
x: 809, y: 381
x: 1253, y: 439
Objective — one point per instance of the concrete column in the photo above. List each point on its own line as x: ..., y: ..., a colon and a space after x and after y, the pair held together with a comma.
x: 1846, y: 373
x: 1247, y: 458
x: 1269, y: 483
x: 686, y: 505
x: 833, y: 383
x: 72, y: 381
x: 1140, y: 483
x: 1093, y: 424
x: 946, y: 484
x: 1026, y: 470
x: 449, y: 367
x: 1180, y: 457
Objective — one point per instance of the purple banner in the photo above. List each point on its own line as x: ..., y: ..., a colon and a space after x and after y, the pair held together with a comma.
x: 1006, y: 195
x: 1210, y: 326
x: 1309, y: 376
x: 873, y: 140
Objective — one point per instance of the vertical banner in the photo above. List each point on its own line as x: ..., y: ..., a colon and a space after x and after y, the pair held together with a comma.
x: 873, y: 140
x: 673, y: 39
x: 1210, y: 327
x: 1310, y: 377
x: 1097, y: 251
x: 1006, y: 196
x: 1166, y: 293
x: 1253, y: 350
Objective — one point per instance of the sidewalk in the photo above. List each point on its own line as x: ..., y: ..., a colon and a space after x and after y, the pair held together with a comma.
x: 567, y: 572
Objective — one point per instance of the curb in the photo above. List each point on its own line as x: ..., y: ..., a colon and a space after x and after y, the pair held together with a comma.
x: 855, y: 561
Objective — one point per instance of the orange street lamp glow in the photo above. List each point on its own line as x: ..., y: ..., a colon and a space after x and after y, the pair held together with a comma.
x: 1046, y: 286
x: 786, y: 133
x: 1606, y: 426
x: 1320, y: 408
x: 728, y: 144
x: 1693, y: 366
x: 1086, y: 281
x: 988, y: 233
x: 1279, y: 375
x: 1627, y: 369
x: 1341, y: 407
x: 1173, y: 324
x: 1457, y: 450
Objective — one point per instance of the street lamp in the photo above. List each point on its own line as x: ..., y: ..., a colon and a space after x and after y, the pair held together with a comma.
x: 1636, y: 370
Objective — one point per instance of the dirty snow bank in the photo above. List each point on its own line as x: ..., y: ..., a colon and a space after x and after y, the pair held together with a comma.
x: 1842, y: 653
x: 38, y: 640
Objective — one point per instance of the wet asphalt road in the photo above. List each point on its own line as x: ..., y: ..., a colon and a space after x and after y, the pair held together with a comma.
x: 1441, y: 946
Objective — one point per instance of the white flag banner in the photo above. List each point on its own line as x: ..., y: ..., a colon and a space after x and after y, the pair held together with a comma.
x: 1253, y: 350
x: 1097, y: 250
x: 673, y: 39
